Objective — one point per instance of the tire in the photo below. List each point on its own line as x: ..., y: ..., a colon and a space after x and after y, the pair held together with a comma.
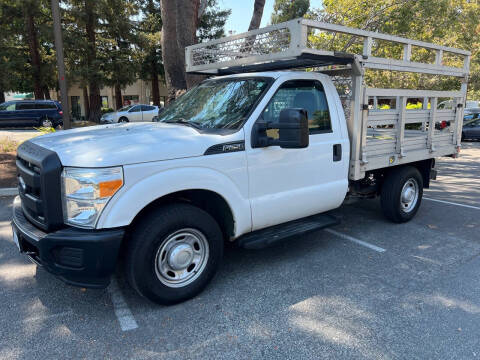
x: 173, y: 238
x: 46, y: 122
x: 123, y: 119
x: 401, y: 194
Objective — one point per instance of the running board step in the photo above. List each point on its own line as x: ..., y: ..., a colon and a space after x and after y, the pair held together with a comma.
x: 262, y: 238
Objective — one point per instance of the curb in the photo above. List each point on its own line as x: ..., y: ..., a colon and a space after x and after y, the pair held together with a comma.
x: 8, y: 191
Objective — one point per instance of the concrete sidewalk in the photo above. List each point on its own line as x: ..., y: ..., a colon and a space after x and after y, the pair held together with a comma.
x: 19, y: 136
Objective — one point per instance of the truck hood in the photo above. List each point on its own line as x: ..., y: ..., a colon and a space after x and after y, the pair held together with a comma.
x: 130, y: 143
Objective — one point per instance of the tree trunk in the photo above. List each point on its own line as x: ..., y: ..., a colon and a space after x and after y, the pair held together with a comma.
x: 187, y: 22
x: 257, y: 14
x: 173, y: 61
x: 46, y: 92
x: 86, y: 102
x: 32, y: 39
x: 2, y: 96
x: 95, y: 101
x: 118, y: 97
x: 155, y: 88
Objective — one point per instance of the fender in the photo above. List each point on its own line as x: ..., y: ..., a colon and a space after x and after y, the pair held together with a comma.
x: 132, y: 198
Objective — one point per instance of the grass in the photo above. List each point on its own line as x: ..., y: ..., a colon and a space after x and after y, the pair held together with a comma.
x: 8, y: 145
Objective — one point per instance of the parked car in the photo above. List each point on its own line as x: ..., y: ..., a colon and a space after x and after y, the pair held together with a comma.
x: 17, y: 113
x: 471, y: 125
x: 131, y: 113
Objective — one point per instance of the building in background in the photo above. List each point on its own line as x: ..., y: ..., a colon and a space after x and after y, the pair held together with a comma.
x: 139, y: 92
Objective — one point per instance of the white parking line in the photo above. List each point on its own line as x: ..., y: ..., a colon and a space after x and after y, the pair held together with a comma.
x: 356, y: 241
x: 122, y: 311
x: 452, y: 203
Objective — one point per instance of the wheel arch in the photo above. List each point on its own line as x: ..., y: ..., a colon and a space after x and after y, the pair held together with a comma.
x: 207, y: 200
x: 206, y: 188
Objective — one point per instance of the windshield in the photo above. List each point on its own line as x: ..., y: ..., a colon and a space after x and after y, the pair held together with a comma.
x: 126, y: 108
x: 217, y: 104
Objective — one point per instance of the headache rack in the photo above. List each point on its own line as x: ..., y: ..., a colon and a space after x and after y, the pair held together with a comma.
x: 384, y: 131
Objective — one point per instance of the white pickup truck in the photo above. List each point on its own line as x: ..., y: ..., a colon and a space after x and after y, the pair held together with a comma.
x: 252, y: 157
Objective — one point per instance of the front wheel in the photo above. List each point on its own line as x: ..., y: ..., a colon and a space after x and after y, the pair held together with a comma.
x: 401, y: 194
x: 173, y: 253
x: 123, y: 119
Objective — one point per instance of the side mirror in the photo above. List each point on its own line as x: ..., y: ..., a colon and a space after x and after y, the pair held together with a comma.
x: 293, y: 131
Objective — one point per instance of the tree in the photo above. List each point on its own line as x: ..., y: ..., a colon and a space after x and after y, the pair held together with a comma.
x: 27, y: 56
x: 151, y: 67
x: 257, y: 14
x: 116, y: 44
x: 445, y: 22
x: 181, y: 20
x: 284, y: 10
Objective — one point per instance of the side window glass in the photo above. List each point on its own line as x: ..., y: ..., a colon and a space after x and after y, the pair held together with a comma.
x: 25, y: 106
x: 135, y: 109
x: 9, y: 107
x: 304, y: 94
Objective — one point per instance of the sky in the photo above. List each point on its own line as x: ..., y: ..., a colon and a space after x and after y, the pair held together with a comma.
x: 242, y: 13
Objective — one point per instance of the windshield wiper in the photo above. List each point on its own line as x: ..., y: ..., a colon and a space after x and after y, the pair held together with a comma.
x: 182, y: 121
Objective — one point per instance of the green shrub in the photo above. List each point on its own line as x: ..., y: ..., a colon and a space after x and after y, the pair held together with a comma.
x: 107, y: 110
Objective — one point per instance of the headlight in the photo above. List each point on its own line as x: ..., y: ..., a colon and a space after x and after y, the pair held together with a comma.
x: 85, y: 192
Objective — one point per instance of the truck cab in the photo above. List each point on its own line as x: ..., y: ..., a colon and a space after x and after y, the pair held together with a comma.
x: 250, y: 158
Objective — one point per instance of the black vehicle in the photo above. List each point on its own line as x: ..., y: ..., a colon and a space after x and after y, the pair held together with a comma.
x: 28, y: 113
x: 471, y: 130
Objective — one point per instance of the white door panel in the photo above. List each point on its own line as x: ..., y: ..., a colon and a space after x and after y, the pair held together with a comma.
x: 287, y: 184
x: 135, y: 114
x: 148, y: 115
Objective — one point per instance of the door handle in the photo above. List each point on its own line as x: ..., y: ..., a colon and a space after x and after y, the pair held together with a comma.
x: 337, y: 152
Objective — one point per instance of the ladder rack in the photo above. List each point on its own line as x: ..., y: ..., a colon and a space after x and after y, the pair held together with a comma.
x: 287, y: 45
x: 379, y: 137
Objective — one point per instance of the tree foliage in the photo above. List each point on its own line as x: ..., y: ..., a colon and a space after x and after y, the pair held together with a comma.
x: 107, y: 43
x: 284, y: 10
x: 451, y: 23
x: 27, y: 58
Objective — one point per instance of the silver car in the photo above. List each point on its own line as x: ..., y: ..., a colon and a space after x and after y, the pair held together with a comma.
x: 131, y: 113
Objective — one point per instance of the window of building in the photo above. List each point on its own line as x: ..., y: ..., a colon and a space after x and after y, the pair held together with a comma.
x: 105, y: 101
x: 130, y: 100
x: 76, y: 109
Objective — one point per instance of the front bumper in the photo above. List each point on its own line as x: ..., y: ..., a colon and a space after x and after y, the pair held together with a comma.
x: 85, y: 258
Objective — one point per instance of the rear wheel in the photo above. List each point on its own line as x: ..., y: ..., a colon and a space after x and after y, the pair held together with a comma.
x: 46, y: 122
x: 173, y: 253
x: 401, y: 194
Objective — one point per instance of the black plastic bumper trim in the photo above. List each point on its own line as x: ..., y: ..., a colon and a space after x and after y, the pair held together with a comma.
x: 99, y: 250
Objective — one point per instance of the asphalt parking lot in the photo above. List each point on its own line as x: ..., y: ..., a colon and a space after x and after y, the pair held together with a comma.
x: 368, y: 289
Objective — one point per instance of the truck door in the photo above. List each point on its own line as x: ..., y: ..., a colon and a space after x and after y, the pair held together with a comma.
x: 287, y: 184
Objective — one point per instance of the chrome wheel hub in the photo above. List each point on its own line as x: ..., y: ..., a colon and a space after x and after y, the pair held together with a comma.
x: 181, y: 257
x: 47, y: 123
x: 409, y: 195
